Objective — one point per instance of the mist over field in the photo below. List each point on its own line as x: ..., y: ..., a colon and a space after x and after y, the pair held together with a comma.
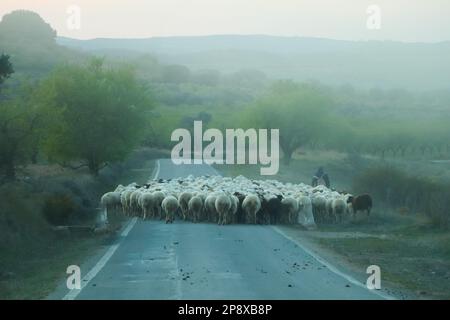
x: 365, y: 64
x: 89, y: 122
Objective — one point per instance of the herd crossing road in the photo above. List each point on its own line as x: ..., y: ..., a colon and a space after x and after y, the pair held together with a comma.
x: 154, y: 260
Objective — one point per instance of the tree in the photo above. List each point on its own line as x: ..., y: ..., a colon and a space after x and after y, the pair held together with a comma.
x: 31, y: 42
x: 210, y: 78
x: 187, y: 122
x: 98, y: 114
x: 6, y: 68
x: 26, y: 27
x: 175, y: 74
x: 19, y: 120
x: 300, y: 112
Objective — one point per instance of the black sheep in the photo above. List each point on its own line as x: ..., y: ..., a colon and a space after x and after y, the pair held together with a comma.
x: 273, y: 206
x: 362, y: 202
x: 240, y: 214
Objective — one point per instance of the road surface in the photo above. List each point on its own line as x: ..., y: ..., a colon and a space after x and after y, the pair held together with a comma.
x: 152, y: 260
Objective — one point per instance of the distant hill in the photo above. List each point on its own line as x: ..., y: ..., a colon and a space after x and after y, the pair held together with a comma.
x: 383, y: 64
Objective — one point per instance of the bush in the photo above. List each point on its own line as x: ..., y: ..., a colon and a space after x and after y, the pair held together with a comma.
x: 58, y: 209
x: 20, y: 219
x: 397, y: 189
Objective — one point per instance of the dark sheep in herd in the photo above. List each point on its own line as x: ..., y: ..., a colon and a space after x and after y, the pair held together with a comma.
x: 362, y: 202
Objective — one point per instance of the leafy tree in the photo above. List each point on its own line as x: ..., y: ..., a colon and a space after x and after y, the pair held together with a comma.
x: 98, y: 114
x: 188, y: 121
x: 175, y: 74
x: 19, y: 121
x: 6, y: 68
x: 300, y: 112
x: 210, y: 78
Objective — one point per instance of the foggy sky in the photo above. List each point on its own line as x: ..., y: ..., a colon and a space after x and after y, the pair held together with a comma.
x: 402, y: 20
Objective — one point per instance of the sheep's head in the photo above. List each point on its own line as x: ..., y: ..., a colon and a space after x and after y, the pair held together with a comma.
x: 350, y: 199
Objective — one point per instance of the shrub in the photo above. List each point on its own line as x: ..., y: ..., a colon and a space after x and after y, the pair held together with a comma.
x: 397, y: 189
x: 58, y: 209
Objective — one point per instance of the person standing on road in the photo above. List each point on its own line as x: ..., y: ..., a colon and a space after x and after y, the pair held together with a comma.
x: 320, y: 175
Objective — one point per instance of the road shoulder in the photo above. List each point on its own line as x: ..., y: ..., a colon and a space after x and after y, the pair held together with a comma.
x: 310, y: 240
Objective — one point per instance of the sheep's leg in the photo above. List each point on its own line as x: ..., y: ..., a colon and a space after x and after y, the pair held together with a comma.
x: 167, y: 217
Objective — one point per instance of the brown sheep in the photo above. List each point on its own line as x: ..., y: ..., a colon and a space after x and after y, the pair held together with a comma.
x: 362, y: 202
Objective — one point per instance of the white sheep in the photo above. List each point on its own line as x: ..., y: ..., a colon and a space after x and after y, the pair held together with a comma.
x: 110, y: 202
x: 147, y: 205
x: 306, y: 217
x: 222, y: 205
x: 234, y: 208
x: 339, y: 208
x: 291, y: 206
x: 170, y: 206
x: 210, y: 207
x: 134, y: 202
x: 158, y: 197
x: 195, y: 207
x: 184, y: 203
x: 319, y: 204
x: 251, y: 206
x: 125, y: 201
x: 329, y: 208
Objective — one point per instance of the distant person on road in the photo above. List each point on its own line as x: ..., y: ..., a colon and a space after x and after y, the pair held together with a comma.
x: 320, y: 175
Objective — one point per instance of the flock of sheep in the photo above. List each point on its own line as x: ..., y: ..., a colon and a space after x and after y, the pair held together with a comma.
x: 225, y: 200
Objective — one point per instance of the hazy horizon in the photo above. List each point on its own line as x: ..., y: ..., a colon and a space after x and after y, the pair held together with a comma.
x: 405, y: 21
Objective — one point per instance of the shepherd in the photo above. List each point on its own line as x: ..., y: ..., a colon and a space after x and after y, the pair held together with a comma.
x: 320, y: 177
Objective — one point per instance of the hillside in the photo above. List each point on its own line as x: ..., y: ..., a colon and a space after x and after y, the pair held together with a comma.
x: 364, y: 64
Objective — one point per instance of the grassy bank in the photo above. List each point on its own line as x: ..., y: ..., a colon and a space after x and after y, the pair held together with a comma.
x: 416, y: 260
x: 34, y: 258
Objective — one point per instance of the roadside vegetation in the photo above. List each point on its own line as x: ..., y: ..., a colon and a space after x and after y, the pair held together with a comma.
x: 34, y: 254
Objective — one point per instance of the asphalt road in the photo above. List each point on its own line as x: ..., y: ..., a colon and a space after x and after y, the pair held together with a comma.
x: 152, y: 260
